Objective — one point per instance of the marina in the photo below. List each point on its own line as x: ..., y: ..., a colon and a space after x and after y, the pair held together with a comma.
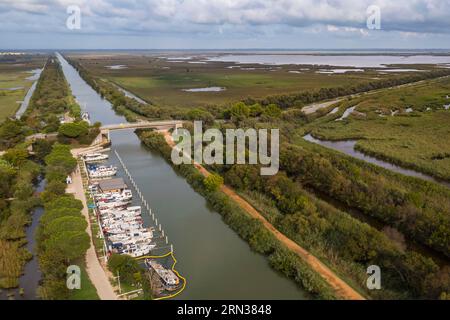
x: 123, y: 228
x: 203, y: 242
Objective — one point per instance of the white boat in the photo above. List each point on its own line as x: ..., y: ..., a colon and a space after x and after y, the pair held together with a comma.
x: 123, y: 227
x: 95, y: 157
x: 139, y: 252
x: 119, y: 214
x: 169, y: 277
x: 111, y: 205
x: 131, y: 210
x: 112, y: 221
x: 103, y: 174
x: 125, y: 195
x: 142, y: 233
x: 101, y: 168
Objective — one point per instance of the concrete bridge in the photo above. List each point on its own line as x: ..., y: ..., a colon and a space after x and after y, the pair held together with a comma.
x: 158, y: 125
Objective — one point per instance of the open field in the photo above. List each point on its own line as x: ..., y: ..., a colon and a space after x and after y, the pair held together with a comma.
x: 408, y: 126
x: 13, y: 75
x: 161, y: 81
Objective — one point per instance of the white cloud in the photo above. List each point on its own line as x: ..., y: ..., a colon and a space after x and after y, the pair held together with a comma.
x: 236, y: 18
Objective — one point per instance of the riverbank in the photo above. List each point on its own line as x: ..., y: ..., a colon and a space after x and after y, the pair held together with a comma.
x: 29, y: 279
x: 314, y: 285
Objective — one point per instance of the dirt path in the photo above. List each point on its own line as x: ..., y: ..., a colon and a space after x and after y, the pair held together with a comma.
x: 93, y: 267
x: 342, y: 289
x: 312, y: 108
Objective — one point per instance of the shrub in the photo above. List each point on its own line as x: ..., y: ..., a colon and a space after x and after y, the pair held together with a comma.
x: 126, y: 266
x: 74, y: 130
x: 213, y: 182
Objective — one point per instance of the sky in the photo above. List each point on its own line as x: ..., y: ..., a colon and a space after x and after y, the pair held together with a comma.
x: 223, y: 24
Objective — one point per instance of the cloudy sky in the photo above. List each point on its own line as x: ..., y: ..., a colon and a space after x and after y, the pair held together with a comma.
x: 211, y: 24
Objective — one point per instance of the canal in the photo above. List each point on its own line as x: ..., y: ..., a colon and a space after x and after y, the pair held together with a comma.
x: 348, y: 147
x: 26, y: 101
x: 215, y: 261
x: 29, y: 281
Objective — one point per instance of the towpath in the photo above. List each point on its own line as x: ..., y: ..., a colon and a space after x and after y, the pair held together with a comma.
x: 341, y: 288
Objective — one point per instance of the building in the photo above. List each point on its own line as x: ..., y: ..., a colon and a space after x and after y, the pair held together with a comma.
x: 112, y: 185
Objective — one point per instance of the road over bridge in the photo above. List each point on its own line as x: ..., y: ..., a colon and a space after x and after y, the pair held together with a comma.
x: 159, y: 125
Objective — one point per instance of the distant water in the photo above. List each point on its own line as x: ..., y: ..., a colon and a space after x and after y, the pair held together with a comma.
x: 26, y: 101
x: 357, y: 61
x: 348, y: 147
x: 209, y: 89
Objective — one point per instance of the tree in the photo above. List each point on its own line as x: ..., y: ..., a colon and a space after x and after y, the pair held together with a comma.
x: 16, y: 156
x: 239, y: 112
x: 213, y: 182
x: 66, y: 223
x: 272, y: 111
x: 256, y: 110
x: 54, y: 189
x: 54, y: 214
x: 42, y: 148
x: 10, y: 129
x: 72, y: 244
x: 126, y: 266
x: 74, y: 130
x: 200, y: 115
x: 64, y: 202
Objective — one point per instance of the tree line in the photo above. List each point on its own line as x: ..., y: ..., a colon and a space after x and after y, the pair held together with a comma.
x: 248, y: 228
x: 62, y: 238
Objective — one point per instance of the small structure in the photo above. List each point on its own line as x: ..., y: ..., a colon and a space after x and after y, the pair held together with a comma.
x: 69, y: 180
x: 37, y: 136
x: 112, y: 185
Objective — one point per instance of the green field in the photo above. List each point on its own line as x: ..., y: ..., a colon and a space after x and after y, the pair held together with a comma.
x: 162, y: 82
x: 13, y: 74
x: 418, y: 139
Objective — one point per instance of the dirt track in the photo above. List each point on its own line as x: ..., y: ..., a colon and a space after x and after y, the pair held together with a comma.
x: 342, y: 289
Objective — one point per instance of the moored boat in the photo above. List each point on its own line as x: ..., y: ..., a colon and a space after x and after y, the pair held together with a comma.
x: 95, y: 157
